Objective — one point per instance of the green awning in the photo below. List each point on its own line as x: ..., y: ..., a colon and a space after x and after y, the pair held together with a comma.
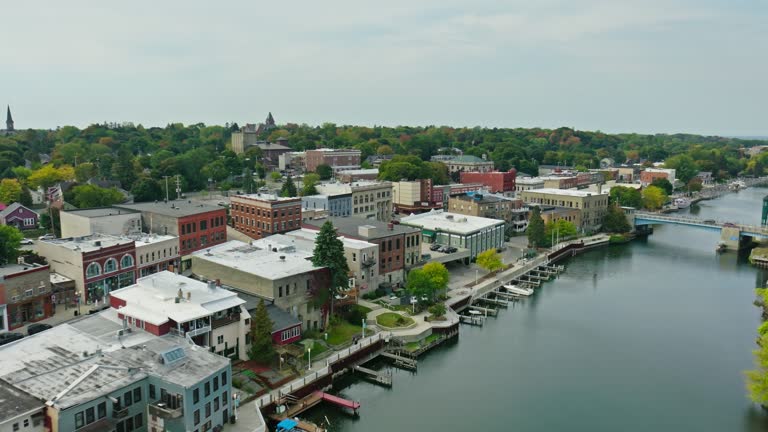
x: 428, y: 233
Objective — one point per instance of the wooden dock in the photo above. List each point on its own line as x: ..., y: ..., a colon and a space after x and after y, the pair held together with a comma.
x: 400, y: 361
x: 375, y: 376
x: 499, y: 302
x: 507, y: 295
x: 491, y: 312
x: 298, y: 406
x: 472, y: 320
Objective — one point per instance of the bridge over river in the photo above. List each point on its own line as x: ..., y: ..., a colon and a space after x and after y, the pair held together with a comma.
x: 733, y: 235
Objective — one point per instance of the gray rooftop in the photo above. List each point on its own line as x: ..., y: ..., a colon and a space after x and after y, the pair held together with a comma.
x: 101, y: 212
x: 348, y: 226
x: 11, y: 208
x: 14, y: 402
x: 280, y: 319
x: 177, y: 208
x: 10, y: 269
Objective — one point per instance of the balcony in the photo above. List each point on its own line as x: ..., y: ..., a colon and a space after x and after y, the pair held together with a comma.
x: 368, y: 262
x: 225, y: 320
x: 162, y: 410
x: 198, y: 331
x: 119, y: 413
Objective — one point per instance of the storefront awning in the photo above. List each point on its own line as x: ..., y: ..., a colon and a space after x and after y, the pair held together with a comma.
x: 428, y: 233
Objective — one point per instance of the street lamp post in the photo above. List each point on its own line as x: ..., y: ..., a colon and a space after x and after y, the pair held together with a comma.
x: 363, y: 327
x: 309, y: 358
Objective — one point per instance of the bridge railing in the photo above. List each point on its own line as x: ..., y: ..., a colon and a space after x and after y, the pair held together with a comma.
x: 694, y: 221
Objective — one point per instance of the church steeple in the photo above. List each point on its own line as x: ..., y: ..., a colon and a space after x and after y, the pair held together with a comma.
x: 270, y: 122
x: 9, y: 120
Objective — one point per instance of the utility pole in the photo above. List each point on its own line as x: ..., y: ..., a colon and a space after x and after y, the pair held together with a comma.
x: 178, y: 186
x: 166, y: 188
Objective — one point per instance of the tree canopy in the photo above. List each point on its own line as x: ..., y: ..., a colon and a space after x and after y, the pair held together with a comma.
x: 289, y: 188
x: 559, y: 230
x: 425, y: 282
x: 262, y: 349
x: 490, y: 260
x: 535, y: 230
x: 329, y: 253
x: 88, y: 196
x: 664, y: 184
x: 10, y: 240
x: 10, y: 191
x: 324, y: 171
x: 615, y: 220
x: 626, y: 197
x: 654, y: 198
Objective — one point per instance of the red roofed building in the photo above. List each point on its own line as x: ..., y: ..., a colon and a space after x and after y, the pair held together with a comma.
x: 497, y: 181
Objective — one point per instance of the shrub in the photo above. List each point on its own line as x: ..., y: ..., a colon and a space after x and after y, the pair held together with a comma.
x: 437, y: 309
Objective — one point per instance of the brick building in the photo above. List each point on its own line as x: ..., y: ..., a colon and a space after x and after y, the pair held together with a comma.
x: 648, y: 175
x: 591, y: 206
x: 261, y: 215
x: 98, y: 264
x: 332, y: 158
x: 495, y: 181
x: 25, y: 295
x: 197, y: 226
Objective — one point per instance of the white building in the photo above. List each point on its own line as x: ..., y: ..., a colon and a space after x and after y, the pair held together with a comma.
x: 204, y: 313
x: 156, y: 253
x: 476, y: 234
x: 528, y: 183
x: 105, y: 220
x: 370, y: 199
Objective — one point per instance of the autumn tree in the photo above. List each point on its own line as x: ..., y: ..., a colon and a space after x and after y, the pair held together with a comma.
x: 10, y: 191
x: 49, y: 175
x: 490, y: 260
x: 654, y: 198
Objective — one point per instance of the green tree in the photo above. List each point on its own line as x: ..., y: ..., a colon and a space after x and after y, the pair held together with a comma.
x: 626, y: 196
x: 695, y: 185
x: 309, y: 182
x: 88, y: 196
x: 51, y: 225
x: 490, y: 260
x: 535, y: 230
x: 147, y: 189
x: 85, y: 171
x: 559, y: 230
x: 22, y: 173
x: 10, y: 240
x: 26, y: 197
x: 275, y: 176
x: 262, y: 350
x: 419, y: 284
x: 664, y: 184
x: 654, y: 198
x: 684, y: 166
x: 438, y: 274
x: 249, y: 186
x: 289, y: 188
x: 324, y: 171
x: 10, y: 191
x: 437, y: 310
x: 384, y: 150
x: 49, y: 175
x: 615, y: 220
x: 329, y: 253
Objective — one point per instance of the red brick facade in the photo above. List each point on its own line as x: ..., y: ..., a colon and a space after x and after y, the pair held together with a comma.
x: 108, y: 269
x: 200, y: 231
x: 497, y: 181
x: 28, y: 296
x: 259, y: 216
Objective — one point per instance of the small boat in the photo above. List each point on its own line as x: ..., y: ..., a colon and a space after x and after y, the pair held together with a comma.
x: 682, y: 203
x: 514, y: 289
x: 737, y: 185
x: 296, y: 425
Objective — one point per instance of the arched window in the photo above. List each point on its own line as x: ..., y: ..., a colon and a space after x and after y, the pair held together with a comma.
x: 94, y: 269
x: 126, y: 261
x: 110, y: 265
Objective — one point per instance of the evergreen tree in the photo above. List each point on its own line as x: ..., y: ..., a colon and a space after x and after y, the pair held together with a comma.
x: 289, y: 189
x: 615, y: 220
x: 262, y: 350
x: 329, y: 252
x: 535, y: 231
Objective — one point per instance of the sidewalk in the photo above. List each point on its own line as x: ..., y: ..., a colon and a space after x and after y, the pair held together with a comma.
x: 249, y: 419
x: 60, y: 316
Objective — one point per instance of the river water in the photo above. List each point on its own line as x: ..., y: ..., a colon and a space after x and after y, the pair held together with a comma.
x: 648, y: 336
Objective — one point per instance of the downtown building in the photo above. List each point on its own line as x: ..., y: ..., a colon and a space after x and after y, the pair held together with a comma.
x: 335, y: 158
x: 371, y: 200
x: 261, y: 215
x: 591, y: 206
x: 25, y: 295
x: 495, y: 181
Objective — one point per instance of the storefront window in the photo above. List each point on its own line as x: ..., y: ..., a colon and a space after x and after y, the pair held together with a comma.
x: 94, y: 269
x: 110, y: 265
x: 125, y: 279
x: 126, y: 262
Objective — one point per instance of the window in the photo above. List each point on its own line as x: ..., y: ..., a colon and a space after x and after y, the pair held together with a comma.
x: 128, y: 399
x: 152, y: 393
x: 203, y: 225
x: 208, y: 409
x: 280, y: 291
x: 94, y: 269
x: 220, y: 340
x: 101, y: 410
x: 207, y: 389
x: 215, y: 383
x: 196, y: 396
x: 216, y: 404
x: 287, y: 290
x: 79, y: 420
x: 126, y: 261
x: 354, y: 257
x: 224, y: 378
x: 138, y: 421
x: 90, y: 415
x: 15, y: 427
x: 197, y: 417
x: 224, y: 398
x: 137, y: 394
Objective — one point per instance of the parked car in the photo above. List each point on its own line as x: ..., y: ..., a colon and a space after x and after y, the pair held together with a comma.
x: 710, y: 221
x: 10, y: 337
x: 37, y: 328
x: 221, y: 203
x: 27, y: 241
x: 451, y: 249
x: 444, y: 249
x: 434, y: 247
x: 47, y: 237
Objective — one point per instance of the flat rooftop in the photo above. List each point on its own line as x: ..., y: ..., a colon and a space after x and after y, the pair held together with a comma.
x: 101, y: 212
x: 259, y: 259
x: 308, y: 238
x: 89, y: 243
x: 450, y: 222
x: 348, y: 226
x: 46, y: 363
x: 342, y: 188
x: 563, y: 192
x: 11, y: 269
x: 149, y: 239
x: 153, y: 299
x: 175, y: 208
x: 367, y: 171
x: 14, y: 402
x: 265, y: 197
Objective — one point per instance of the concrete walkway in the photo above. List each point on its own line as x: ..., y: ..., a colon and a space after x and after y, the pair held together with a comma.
x: 249, y: 419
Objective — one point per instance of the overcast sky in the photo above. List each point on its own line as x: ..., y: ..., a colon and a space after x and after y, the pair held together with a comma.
x: 697, y: 66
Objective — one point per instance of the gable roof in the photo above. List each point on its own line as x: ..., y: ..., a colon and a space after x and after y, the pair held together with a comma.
x: 11, y: 208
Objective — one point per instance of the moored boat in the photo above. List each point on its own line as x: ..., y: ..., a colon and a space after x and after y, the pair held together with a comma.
x: 514, y: 289
x: 682, y: 203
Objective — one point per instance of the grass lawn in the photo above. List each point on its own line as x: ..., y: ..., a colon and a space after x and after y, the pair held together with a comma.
x: 391, y: 320
x: 343, y: 332
x: 317, y: 349
x: 431, y: 338
x: 362, y: 309
x: 412, y: 346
